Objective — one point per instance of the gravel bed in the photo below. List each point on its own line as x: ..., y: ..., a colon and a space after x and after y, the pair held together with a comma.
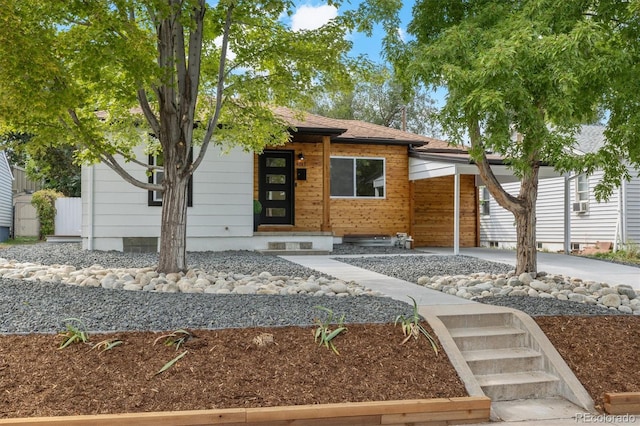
x: 27, y: 307
x: 410, y: 268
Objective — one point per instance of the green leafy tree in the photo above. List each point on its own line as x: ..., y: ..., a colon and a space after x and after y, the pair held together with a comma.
x: 379, y: 98
x: 54, y: 167
x: 521, y: 76
x: 195, y: 73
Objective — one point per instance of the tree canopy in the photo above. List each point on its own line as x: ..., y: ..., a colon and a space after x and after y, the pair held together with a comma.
x: 377, y: 97
x: 193, y: 72
x: 521, y: 77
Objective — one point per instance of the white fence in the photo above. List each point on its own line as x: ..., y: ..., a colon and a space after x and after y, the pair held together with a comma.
x: 68, y: 216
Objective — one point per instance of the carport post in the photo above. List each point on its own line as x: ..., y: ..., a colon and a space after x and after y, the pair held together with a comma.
x: 456, y: 213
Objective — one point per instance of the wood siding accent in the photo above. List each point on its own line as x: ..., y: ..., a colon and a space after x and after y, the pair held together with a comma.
x: 433, y: 212
x: 350, y: 216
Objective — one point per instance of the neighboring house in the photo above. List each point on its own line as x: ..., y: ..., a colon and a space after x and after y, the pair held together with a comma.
x: 616, y: 220
x: 6, y: 198
x: 336, y: 180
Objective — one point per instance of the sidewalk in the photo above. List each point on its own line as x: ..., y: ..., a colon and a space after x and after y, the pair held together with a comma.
x: 574, y: 266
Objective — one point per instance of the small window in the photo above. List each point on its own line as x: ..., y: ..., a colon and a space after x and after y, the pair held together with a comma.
x: 358, y: 177
x: 484, y: 200
x: 582, y: 189
x: 156, y: 176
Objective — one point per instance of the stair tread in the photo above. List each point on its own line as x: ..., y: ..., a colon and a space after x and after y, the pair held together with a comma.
x: 498, y: 354
x: 484, y: 331
x: 515, y: 378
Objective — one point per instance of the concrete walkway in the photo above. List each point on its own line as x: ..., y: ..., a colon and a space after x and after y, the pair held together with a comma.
x: 515, y: 413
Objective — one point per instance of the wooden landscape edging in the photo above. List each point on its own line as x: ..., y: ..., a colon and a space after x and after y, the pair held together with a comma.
x: 622, y: 403
x: 439, y: 411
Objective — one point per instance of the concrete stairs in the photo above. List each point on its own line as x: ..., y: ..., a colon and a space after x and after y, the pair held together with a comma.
x: 504, y: 364
x: 503, y: 354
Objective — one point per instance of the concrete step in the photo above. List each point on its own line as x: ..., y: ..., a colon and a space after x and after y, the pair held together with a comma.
x: 476, y: 320
x: 492, y: 337
x: 524, y: 385
x: 505, y: 360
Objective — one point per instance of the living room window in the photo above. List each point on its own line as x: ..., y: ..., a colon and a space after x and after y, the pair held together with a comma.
x: 358, y: 177
x: 156, y: 176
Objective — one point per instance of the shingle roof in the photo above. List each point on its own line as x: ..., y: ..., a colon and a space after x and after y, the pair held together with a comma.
x: 355, y: 130
x: 590, y: 138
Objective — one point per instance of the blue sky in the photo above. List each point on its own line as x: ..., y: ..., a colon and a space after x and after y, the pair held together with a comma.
x: 310, y: 14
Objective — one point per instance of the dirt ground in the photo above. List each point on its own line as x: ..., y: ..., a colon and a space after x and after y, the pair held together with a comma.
x: 242, y: 368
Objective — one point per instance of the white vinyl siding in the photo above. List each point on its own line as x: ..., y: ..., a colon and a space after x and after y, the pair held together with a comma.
x: 6, y: 196
x: 632, y: 210
x: 597, y: 224
x: 222, y: 194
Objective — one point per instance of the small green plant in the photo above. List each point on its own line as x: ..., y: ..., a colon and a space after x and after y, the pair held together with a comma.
x: 176, y: 338
x: 170, y: 363
x: 45, y: 203
x: 324, y: 334
x: 257, y: 207
x: 107, y: 345
x: 76, y: 333
x: 411, y: 327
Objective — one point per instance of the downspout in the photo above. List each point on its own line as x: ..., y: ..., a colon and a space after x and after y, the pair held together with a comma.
x: 567, y: 215
x: 456, y: 213
x: 567, y: 212
x: 621, y: 222
x: 90, y: 208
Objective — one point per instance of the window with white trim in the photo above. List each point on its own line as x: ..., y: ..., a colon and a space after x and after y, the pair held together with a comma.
x: 582, y: 189
x: 156, y: 176
x: 358, y: 177
x: 484, y: 197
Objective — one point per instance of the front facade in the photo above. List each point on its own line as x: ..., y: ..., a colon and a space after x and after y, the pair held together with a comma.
x: 336, y: 179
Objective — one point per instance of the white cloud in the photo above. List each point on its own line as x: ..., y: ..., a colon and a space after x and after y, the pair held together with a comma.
x: 402, y: 34
x: 309, y: 17
x: 218, y: 44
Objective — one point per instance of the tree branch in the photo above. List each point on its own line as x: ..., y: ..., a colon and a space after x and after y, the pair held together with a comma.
x: 502, y: 197
x: 213, y: 121
x: 147, y: 111
x: 113, y: 164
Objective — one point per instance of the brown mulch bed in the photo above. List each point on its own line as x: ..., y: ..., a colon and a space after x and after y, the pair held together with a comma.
x: 226, y: 368
x: 221, y: 369
x: 602, y: 351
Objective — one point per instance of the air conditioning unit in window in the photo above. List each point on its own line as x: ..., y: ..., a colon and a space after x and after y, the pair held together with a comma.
x: 580, y: 207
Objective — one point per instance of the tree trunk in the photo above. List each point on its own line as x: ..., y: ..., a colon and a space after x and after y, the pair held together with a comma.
x: 173, y: 230
x: 523, y: 207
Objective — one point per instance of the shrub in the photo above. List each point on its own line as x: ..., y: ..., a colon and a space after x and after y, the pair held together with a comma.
x: 45, y: 203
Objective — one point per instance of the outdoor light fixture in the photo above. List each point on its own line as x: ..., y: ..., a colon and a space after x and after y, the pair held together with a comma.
x: 301, y: 157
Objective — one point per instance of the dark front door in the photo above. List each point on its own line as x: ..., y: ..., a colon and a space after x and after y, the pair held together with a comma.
x: 276, y: 187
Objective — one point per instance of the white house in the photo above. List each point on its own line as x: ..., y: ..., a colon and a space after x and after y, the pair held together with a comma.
x: 616, y: 220
x: 6, y: 197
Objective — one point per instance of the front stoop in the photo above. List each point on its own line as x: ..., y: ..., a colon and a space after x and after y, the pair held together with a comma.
x: 503, y: 354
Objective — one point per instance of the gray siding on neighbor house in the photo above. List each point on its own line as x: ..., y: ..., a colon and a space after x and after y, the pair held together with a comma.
x: 6, y: 195
x: 633, y: 210
x: 222, y: 201
x: 598, y: 223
